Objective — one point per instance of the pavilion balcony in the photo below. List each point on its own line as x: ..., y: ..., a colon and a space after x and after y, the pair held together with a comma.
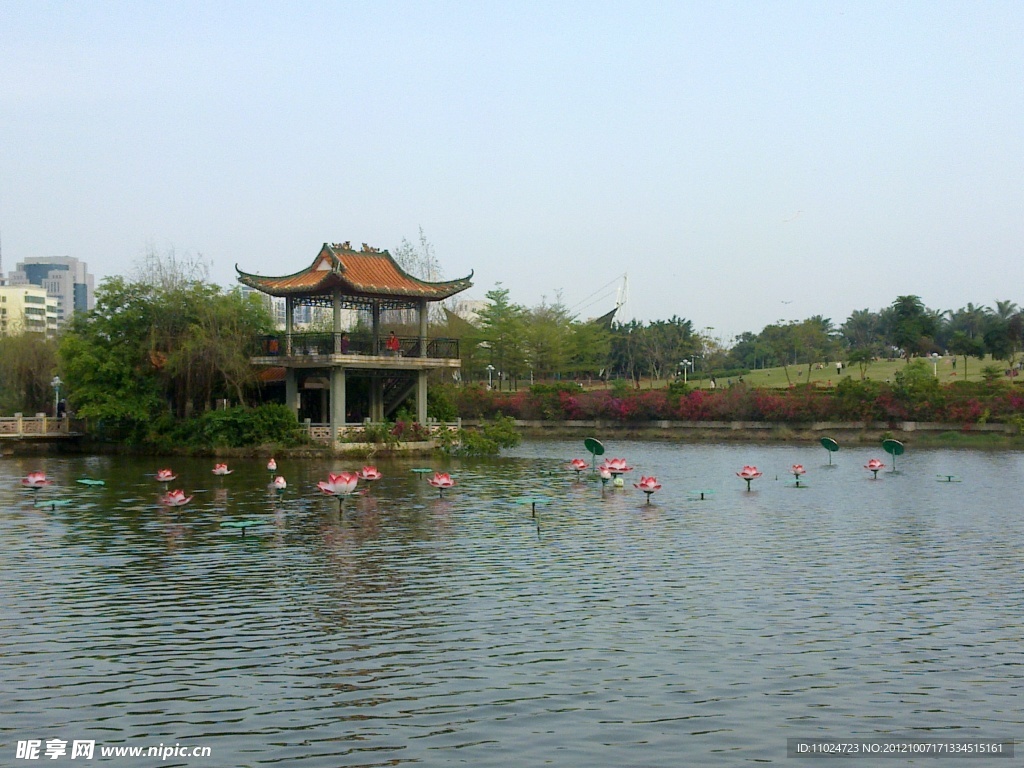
x: 330, y: 349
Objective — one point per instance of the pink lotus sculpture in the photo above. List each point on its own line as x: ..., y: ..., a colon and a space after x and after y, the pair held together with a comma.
x: 175, y: 499
x: 221, y: 469
x: 279, y: 484
x: 577, y: 466
x: 271, y: 465
x: 749, y: 473
x: 441, y: 480
x: 35, y: 480
x: 798, y: 470
x: 165, y: 476
x: 341, y: 485
x: 874, y: 465
x: 648, y: 485
x: 369, y: 474
x: 616, y: 466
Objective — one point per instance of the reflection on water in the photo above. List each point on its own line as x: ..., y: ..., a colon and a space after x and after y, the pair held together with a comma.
x: 400, y: 627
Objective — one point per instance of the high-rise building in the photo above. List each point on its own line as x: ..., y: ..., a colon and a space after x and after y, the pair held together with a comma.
x: 65, y: 278
x: 27, y: 309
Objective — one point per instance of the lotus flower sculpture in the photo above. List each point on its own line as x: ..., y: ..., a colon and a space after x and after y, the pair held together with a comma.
x: 441, y: 480
x: 874, y: 465
x: 341, y: 485
x: 798, y: 470
x: 369, y: 474
x: 279, y: 484
x: 617, y: 466
x: 749, y: 473
x: 175, y: 499
x: 271, y: 466
x: 648, y: 485
x: 577, y: 466
x: 165, y: 476
x: 221, y: 469
x: 35, y: 480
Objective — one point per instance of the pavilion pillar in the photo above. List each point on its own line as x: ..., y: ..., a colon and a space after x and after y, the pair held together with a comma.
x: 291, y: 390
x: 289, y: 310
x: 375, y: 307
x: 336, y: 306
x: 337, y: 403
x: 421, y: 397
x: 377, y: 399
x: 423, y: 327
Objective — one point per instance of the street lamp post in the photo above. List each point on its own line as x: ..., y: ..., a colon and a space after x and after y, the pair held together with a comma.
x: 687, y: 364
x: 56, y: 393
x: 490, y: 370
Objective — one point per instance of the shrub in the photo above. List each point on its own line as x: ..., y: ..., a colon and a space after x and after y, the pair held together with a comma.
x: 236, y: 427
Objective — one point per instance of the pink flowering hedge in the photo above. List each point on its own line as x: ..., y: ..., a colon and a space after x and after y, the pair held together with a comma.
x: 959, y: 403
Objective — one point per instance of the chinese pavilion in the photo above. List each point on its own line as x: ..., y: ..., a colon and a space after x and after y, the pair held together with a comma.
x: 323, y: 364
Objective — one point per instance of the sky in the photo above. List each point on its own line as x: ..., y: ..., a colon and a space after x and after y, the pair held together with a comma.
x: 741, y: 162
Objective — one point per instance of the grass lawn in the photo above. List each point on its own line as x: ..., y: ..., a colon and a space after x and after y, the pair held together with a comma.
x: 826, y: 376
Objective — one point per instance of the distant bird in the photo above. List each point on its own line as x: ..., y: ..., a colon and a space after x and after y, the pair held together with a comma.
x: 788, y: 302
x: 794, y: 217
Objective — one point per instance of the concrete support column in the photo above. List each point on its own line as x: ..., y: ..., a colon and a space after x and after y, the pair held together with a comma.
x: 423, y: 327
x: 291, y: 390
x: 289, y: 310
x: 421, y: 397
x: 336, y: 306
x: 337, y: 403
x: 376, y: 327
x: 376, y: 399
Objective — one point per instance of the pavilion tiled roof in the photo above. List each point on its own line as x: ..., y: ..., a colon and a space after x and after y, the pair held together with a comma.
x: 368, y: 273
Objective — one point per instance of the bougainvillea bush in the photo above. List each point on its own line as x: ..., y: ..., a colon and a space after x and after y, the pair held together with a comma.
x: 912, y: 398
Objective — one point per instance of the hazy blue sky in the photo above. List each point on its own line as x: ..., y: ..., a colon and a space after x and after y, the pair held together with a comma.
x: 743, y: 162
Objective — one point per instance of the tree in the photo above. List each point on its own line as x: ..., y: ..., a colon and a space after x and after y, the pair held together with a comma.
x: 547, y: 339
x: 421, y: 261
x: 28, y: 362
x: 149, y: 350
x: 913, y: 327
x: 960, y: 343
x: 501, y: 332
x: 589, y: 348
x: 815, y: 337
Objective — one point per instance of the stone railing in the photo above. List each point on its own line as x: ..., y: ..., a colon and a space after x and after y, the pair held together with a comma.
x: 321, y: 433
x: 40, y: 425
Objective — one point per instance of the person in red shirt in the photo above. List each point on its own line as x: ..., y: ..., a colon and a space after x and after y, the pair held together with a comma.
x: 393, y: 346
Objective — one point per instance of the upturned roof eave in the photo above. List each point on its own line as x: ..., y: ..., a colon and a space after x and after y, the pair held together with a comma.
x: 272, y: 286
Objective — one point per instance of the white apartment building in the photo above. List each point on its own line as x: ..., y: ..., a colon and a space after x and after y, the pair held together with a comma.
x: 65, y: 278
x: 27, y: 309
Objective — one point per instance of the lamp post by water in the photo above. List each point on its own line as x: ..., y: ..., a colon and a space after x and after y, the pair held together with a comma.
x: 56, y: 393
x: 490, y: 370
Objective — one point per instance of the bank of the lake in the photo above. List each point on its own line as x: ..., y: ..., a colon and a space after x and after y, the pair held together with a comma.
x: 924, y: 434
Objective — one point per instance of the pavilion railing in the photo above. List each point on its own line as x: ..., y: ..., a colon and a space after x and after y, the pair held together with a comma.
x: 344, y: 344
x: 347, y: 433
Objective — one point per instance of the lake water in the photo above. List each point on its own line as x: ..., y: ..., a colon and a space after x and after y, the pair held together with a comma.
x: 404, y: 628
